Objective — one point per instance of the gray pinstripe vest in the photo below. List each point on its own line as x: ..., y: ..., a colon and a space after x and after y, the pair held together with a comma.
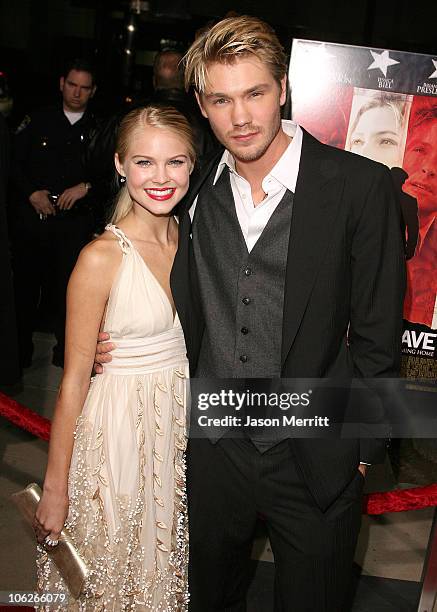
x: 242, y: 293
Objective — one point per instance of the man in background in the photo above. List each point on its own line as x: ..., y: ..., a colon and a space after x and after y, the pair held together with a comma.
x: 167, y: 73
x: 168, y: 83
x: 50, y: 214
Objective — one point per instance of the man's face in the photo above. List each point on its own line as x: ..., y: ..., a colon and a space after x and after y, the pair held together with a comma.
x: 243, y: 102
x: 77, y: 88
x: 420, y: 163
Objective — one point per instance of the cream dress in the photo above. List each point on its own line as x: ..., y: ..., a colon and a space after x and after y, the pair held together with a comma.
x: 127, y: 511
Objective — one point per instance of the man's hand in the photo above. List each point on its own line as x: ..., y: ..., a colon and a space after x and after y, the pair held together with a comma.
x: 103, y: 350
x: 41, y: 203
x: 69, y: 197
x: 363, y: 469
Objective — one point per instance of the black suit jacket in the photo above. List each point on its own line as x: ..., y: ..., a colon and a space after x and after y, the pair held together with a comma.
x: 345, y: 277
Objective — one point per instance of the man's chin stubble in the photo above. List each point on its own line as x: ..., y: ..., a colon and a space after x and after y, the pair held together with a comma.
x: 249, y: 156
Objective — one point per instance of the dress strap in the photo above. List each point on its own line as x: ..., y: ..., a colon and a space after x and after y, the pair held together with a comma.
x: 123, y: 240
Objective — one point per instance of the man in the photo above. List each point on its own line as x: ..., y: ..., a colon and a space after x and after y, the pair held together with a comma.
x: 285, y: 246
x: 50, y: 213
x: 168, y: 84
x: 167, y: 72
x: 420, y: 163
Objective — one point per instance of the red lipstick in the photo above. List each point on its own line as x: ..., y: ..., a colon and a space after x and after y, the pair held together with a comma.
x: 160, y: 193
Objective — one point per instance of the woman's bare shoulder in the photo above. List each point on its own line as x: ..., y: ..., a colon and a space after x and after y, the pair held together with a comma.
x: 101, y: 255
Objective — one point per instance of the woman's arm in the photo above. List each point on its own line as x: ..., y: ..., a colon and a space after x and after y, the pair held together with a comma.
x: 87, y: 294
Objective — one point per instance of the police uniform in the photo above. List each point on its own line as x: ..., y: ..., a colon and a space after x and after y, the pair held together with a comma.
x: 48, y: 153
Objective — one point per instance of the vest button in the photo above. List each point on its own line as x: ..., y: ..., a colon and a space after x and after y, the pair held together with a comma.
x: 243, y: 358
x: 247, y: 271
x: 246, y: 301
x: 244, y: 330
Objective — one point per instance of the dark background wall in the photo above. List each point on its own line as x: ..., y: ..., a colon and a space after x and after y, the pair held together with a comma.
x: 37, y: 36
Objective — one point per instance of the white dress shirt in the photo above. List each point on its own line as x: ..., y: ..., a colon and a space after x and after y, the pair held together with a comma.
x: 282, y: 176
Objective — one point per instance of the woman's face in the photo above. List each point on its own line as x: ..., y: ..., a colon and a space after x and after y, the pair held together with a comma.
x: 377, y: 136
x: 157, y: 168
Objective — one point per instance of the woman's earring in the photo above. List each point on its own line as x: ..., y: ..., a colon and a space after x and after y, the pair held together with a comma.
x: 122, y: 179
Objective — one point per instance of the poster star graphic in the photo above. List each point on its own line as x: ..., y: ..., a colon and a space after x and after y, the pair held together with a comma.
x: 434, y: 74
x: 381, y: 61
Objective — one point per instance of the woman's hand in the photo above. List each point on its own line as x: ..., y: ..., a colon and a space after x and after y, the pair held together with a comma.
x: 50, y: 516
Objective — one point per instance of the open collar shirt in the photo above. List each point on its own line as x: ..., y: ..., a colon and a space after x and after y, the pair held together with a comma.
x: 253, y: 218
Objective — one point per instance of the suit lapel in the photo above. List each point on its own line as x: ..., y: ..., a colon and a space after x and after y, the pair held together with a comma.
x: 315, y: 208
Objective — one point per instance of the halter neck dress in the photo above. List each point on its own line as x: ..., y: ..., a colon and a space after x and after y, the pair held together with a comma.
x: 127, y: 511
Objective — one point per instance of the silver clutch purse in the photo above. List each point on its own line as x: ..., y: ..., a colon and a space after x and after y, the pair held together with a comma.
x: 70, y: 564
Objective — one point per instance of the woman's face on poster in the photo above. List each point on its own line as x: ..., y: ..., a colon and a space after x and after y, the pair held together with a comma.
x: 421, y: 165
x: 377, y: 135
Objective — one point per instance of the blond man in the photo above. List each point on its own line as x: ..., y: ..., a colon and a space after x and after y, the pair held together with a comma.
x: 284, y: 246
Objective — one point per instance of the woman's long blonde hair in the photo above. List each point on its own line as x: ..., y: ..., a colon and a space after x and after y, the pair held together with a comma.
x: 163, y: 117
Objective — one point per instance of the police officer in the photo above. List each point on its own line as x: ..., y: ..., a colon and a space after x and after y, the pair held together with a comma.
x: 51, y: 215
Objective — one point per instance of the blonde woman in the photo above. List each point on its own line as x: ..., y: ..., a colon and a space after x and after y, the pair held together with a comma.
x: 379, y: 127
x: 116, y: 472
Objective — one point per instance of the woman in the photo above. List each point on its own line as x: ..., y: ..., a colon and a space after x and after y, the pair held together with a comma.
x: 378, y: 130
x: 125, y: 498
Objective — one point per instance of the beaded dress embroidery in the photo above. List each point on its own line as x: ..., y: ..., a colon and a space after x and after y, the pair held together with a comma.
x: 127, y: 511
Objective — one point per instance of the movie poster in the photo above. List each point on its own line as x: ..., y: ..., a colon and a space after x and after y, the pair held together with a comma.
x: 382, y: 104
